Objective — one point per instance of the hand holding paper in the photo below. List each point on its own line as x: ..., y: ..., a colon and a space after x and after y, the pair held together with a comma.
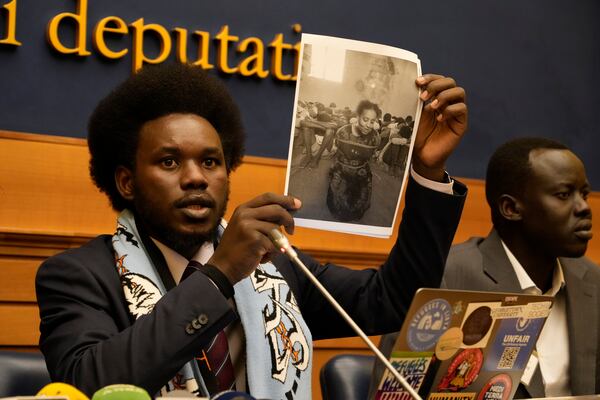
x: 442, y: 125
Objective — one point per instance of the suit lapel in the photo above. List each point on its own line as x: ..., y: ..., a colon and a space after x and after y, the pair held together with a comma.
x: 583, y: 340
x: 496, y: 265
x: 503, y: 278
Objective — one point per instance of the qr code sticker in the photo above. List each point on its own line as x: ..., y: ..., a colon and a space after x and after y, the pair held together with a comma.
x: 508, y: 357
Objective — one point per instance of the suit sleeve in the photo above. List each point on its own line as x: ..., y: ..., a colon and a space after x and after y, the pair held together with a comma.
x: 379, y: 299
x: 89, y: 340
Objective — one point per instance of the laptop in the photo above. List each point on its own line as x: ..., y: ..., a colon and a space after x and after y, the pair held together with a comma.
x: 465, y: 345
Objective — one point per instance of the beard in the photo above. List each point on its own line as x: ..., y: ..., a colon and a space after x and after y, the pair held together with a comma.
x: 159, y: 226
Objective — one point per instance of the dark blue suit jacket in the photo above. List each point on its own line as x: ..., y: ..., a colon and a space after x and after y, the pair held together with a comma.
x: 90, y: 340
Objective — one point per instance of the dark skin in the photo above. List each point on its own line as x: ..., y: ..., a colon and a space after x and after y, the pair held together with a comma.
x: 180, y: 181
x: 551, y: 218
x: 308, y: 133
x: 442, y: 125
x: 245, y: 242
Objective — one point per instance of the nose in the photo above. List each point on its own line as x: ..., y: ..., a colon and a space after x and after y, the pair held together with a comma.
x: 582, y: 206
x: 193, y: 176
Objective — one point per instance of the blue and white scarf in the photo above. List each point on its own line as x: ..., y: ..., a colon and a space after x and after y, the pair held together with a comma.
x: 278, y: 341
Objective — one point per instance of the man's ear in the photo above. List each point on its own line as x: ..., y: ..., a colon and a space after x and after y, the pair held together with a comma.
x: 124, y: 182
x: 510, y: 208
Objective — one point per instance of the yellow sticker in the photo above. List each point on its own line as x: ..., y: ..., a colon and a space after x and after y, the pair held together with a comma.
x: 449, y: 343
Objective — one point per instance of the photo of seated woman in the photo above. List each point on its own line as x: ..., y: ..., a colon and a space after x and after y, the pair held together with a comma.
x: 354, y: 114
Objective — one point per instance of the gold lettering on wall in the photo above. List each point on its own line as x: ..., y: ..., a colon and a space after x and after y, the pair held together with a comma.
x: 80, y: 19
x: 253, y: 64
x: 139, y: 29
x: 252, y: 49
x: 203, y: 47
x: 104, y: 25
x: 223, y: 37
x: 11, y: 24
x: 277, y: 47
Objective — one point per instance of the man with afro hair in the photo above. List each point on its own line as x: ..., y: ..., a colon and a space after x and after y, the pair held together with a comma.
x: 179, y: 299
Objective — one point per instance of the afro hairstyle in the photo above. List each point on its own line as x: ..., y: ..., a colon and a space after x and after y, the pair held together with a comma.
x: 156, y: 91
x: 367, y: 105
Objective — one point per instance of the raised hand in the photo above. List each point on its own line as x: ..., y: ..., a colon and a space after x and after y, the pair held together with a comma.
x: 443, y: 123
x: 245, y: 242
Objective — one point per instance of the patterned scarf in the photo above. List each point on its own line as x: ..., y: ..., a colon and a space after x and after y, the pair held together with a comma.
x: 278, y: 341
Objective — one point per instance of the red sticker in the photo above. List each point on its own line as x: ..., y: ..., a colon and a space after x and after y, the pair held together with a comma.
x: 498, y: 388
x: 462, y: 371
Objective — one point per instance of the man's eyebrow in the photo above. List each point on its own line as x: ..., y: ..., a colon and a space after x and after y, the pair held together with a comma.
x: 571, y: 185
x: 213, y: 150
x: 176, y: 150
x: 586, y: 186
x: 168, y: 149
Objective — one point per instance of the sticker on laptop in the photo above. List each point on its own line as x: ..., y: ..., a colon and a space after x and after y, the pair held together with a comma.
x: 412, y: 366
x: 428, y: 324
x: 452, y: 396
x: 477, y: 323
x: 513, y: 344
x: 497, y: 388
x: 462, y: 371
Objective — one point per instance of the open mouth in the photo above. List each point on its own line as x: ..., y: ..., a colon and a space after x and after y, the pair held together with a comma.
x: 196, y: 206
x: 196, y: 211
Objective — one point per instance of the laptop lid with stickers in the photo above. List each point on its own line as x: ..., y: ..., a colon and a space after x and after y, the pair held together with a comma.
x: 465, y: 345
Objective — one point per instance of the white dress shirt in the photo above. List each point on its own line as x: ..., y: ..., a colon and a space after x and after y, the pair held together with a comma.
x: 553, y: 344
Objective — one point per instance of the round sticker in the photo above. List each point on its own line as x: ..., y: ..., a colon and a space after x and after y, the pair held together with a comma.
x: 428, y: 324
x: 498, y: 388
x: 449, y: 343
x: 463, y: 370
x: 477, y: 325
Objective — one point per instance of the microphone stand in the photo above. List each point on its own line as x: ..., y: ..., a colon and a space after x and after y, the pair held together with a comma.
x: 284, y: 246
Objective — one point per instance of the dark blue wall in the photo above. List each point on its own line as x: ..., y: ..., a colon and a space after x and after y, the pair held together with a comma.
x: 530, y: 67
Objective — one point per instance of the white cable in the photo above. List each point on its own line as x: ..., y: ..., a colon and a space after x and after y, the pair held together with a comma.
x: 284, y: 246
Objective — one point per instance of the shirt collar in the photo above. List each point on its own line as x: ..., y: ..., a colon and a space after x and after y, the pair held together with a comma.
x: 177, y: 263
x: 527, y: 284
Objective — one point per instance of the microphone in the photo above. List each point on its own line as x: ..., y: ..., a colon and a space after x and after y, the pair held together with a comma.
x: 121, y: 392
x: 59, y: 389
x: 282, y: 243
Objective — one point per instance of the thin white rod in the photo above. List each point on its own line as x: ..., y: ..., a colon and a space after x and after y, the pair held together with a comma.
x: 284, y: 246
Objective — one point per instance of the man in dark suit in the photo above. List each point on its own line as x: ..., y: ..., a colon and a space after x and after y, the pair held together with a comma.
x: 177, y: 299
x: 537, y: 191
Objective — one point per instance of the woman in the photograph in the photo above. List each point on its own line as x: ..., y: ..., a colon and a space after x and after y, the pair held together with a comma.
x: 350, y: 180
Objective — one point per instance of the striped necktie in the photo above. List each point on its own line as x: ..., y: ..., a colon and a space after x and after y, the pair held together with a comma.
x: 216, y: 366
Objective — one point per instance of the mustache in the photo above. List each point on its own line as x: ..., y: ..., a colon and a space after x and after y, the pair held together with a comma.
x: 200, y: 199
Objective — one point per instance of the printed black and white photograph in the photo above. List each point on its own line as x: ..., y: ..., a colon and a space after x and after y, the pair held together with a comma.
x: 352, y: 134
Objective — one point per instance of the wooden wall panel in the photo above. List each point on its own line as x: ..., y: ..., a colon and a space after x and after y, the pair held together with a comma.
x: 17, y: 276
x: 19, y: 324
x: 48, y: 203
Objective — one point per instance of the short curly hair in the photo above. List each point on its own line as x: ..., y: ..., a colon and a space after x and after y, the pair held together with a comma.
x: 367, y: 105
x: 509, y: 169
x: 153, y: 92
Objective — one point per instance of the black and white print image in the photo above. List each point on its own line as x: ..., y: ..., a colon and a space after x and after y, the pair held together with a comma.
x: 352, y: 134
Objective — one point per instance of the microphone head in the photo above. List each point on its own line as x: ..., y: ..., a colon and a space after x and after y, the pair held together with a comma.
x: 277, y: 237
x: 121, y: 392
x: 281, y: 242
x: 63, y: 390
